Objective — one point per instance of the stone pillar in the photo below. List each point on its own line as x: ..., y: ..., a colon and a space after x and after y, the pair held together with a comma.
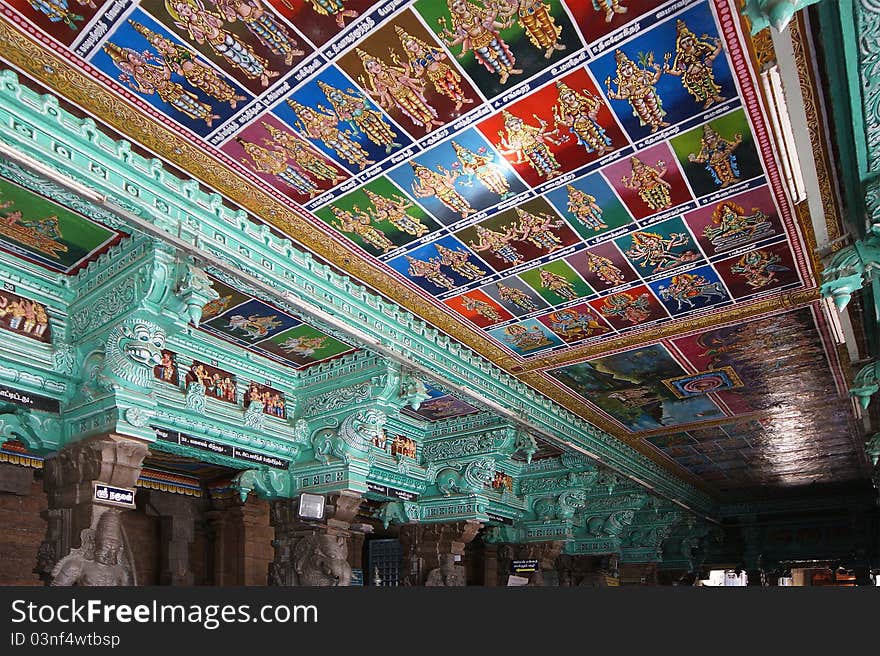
x: 242, y: 540
x: 490, y: 565
x: 69, y: 484
x: 177, y: 516
x: 432, y: 552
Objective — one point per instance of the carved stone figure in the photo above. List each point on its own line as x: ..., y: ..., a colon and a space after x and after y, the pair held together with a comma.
x: 101, y: 560
x: 449, y: 574
x: 477, y: 474
x: 133, y: 348
x: 320, y: 559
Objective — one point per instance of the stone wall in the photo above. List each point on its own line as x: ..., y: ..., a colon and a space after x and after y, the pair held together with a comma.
x: 21, y: 527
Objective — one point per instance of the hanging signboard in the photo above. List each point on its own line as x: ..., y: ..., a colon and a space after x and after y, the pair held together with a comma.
x: 113, y: 496
x: 387, y: 491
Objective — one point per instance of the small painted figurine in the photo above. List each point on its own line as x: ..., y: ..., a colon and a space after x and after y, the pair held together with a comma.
x: 497, y: 243
x: 716, y: 153
x: 605, y: 269
x: 634, y: 309
x: 262, y: 24
x: 459, y: 261
x: 609, y: 8
x: 185, y: 63
x: 204, y: 26
x: 254, y: 326
x: 352, y: 107
x: 693, y: 64
x: 360, y: 225
x: 274, y: 162
x: 427, y: 61
x: 391, y: 87
x: 481, y: 307
x: 649, y: 183
x: 580, y: 113
x: 759, y: 268
x: 526, y: 339
x: 329, y: 8
x: 168, y: 369
x: 516, y: 296
x: 585, y: 209
x: 323, y: 126
x: 573, y: 325
x: 685, y: 288
x: 557, y: 284
x: 538, y: 229
x: 732, y: 227
x: 479, y: 165
x: 57, y: 11
x: 651, y: 249
x: 539, y: 25
x: 637, y: 85
x: 530, y: 144
x: 300, y: 153
x: 477, y: 30
x: 430, y: 270
x: 393, y: 210
x: 428, y: 184
x: 147, y: 74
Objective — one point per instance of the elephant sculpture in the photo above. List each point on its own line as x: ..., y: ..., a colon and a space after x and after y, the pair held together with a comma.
x: 321, y: 560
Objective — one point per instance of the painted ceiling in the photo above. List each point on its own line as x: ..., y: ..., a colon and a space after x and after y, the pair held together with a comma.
x: 584, y: 192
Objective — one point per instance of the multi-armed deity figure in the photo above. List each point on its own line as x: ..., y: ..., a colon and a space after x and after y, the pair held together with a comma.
x: 102, y: 560
x: 538, y: 229
x: 328, y: 8
x: 605, y: 269
x: 693, y: 64
x: 147, y: 74
x: 205, y: 26
x: 517, y: 297
x: 539, y: 25
x: 185, y: 63
x: 426, y: 61
x: 392, y: 87
x: 58, y: 11
x: 530, y: 144
x: 359, y: 223
x: 439, y: 184
x: 716, y: 153
x: 459, y: 261
x: 479, y: 165
x: 559, y: 285
x: 481, y: 307
x: 476, y: 29
x: 634, y: 309
x: 637, y: 85
x: 609, y: 8
x: 430, y: 270
x: 585, y: 208
x: 323, y: 126
x: 262, y: 24
x: 580, y: 113
x: 393, y: 210
x: 497, y: 243
x: 352, y: 107
x: 573, y: 325
x: 759, y: 268
x: 686, y: 288
x: 525, y: 339
x: 651, y: 249
x: 731, y: 226
x: 274, y: 161
x: 300, y: 153
x: 649, y: 183
x: 254, y: 326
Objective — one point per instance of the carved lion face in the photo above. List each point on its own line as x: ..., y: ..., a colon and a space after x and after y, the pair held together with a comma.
x: 142, y: 342
x: 482, y: 470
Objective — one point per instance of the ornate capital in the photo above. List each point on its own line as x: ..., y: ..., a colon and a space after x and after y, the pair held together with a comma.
x: 866, y: 384
x: 778, y: 13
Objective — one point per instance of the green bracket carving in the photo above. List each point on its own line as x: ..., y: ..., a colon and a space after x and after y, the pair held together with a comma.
x: 850, y: 269
x: 778, y: 13
x: 866, y: 384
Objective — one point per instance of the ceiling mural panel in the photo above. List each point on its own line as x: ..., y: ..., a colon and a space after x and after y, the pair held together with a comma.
x: 546, y: 177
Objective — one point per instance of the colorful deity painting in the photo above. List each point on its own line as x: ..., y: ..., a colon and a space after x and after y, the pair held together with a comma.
x: 674, y: 72
x: 718, y: 154
x: 692, y: 290
x: 218, y: 384
x: 519, y: 235
x: 575, y: 323
x: 760, y: 270
x: 378, y: 217
x: 459, y: 177
x: 480, y: 308
x: 441, y: 265
x: 556, y: 129
x: 42, y: 231
x: 603, y: 267
x: 660, y: 248
x: 270, y: 399
x: 440, y: 406
x: 499, y: 43
x: 596, y: 18
x: 166, y: 370
x: 516, y: 296
x: 407, y: 72
x: 321, y: 20
x: 62, y: 19
x: 526, y: 337
x: 303, y: 345
x: 631, y: 308
x: 557, y: 282
x: 747, y: 218
x: 590, y: 206
x: 629, y: 387
x: 250, y: 322
x: 649, y: 182
x: 23, y: 316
